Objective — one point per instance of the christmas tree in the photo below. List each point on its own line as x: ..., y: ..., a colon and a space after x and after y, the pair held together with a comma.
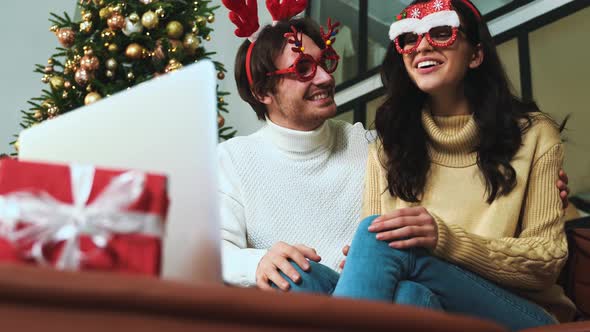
x: 118, y: 44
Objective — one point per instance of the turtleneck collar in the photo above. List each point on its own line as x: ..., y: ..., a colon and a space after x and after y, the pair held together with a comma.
x: 299, y: 144
x: 452, y: 139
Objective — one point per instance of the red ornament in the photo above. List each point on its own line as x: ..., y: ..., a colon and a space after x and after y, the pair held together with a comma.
x: 66, y: 37
x: 116, y: 22
x: 89, y: 62
x: 82, y: 76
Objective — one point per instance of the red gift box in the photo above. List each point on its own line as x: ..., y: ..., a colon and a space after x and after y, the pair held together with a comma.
x: 118, y: 226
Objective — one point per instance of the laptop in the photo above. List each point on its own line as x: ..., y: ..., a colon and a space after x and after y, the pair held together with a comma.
x: 166, y: 125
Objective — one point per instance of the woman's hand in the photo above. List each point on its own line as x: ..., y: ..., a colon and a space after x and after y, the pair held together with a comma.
x: 564, y: 190
x: 345, y: 252
x: 406, y: 228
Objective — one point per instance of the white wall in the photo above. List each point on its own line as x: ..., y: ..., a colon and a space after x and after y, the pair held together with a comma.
x: 26, y: 42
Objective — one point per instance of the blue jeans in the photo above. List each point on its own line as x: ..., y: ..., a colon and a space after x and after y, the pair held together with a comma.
x: 320, y: 279
x: 375, y: 271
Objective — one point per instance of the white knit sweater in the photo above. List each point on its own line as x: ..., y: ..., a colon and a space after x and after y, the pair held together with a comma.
x: 285, y: 185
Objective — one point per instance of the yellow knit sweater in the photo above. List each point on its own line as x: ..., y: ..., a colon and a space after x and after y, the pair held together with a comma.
x: 516, y: 241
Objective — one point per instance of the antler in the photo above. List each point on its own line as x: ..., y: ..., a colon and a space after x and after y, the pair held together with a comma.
x: 243, y: 15
x: 332, y: 31
x: 296, y: 38
x: 286, y: 9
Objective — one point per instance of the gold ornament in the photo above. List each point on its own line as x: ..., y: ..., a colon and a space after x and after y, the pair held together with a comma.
x: 221, y: 75
x: 196, y: 4
x: 220, y: 121
x: 172, y: 65
x: 45, y: 79
x: 82, y: 76
x: 65, y: 95
x: 99, y: 3
x: 86, y: 26
x: 53, y: 111
x: 89, y: 88
x: 88, y: 51
x: 146, y: 2
x: 134, y: 51
x: 191, y: 42
x: 221, y: 100
x: 111, y: 64
x: 211, y: 18
x: 175, y: 47
x: 38, y: 115
x: 130, y: 76
x: 89, y: 62
x: 50, y: 61
x: 87, y: 16
x: 46, y: 104
x: 109, y: 73
x: 67, y: 85
x: 107, y: 34
x: 54, y: 28
x: 161, y: 12
x: 70, y: 65
x: 92, y: 97
x: 16, y: 145
x: 208, y: 37
x: 117, y: 8
x: 116, y: 22
x: 66, y: 37
x: 195, y: 30
x: 174, y: 30
x: 57, y: 82
x: 104, y: 13
x: 149, y: 20
x: 48, y: 69
x: 134, y: 18
x: 113, y: 48
x: 201, y: 20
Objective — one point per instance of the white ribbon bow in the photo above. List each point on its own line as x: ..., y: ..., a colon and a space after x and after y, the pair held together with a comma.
x: 53, y: 221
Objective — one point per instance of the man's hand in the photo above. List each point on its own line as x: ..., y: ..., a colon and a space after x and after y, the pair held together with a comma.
x: 406, y: 228
x: 564, y: 190
x: 278, y: 259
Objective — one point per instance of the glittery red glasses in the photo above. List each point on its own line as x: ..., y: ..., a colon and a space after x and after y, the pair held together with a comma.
x: 305, y: 66
x: 442, y: 36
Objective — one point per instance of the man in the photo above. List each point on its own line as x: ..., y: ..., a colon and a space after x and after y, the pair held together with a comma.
x: 297, y: 180
x: 291, y: 191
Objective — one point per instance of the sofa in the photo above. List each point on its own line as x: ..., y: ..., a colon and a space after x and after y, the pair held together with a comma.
x: 42, y: 299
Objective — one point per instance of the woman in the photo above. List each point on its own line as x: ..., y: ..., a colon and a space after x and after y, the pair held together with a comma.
x: 468, y: 170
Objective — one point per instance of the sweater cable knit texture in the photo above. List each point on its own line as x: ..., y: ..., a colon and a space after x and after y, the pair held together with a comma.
x: 291, y: 186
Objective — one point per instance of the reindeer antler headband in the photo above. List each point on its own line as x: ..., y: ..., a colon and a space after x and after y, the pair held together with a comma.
x: 244, y: 14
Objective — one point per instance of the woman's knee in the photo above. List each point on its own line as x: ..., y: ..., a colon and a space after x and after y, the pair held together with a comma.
x: 362, y: 232
x: 318, y: 279
x: 413, y: 293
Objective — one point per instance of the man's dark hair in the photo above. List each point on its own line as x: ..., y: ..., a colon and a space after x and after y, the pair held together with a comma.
x: 268, y: 48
